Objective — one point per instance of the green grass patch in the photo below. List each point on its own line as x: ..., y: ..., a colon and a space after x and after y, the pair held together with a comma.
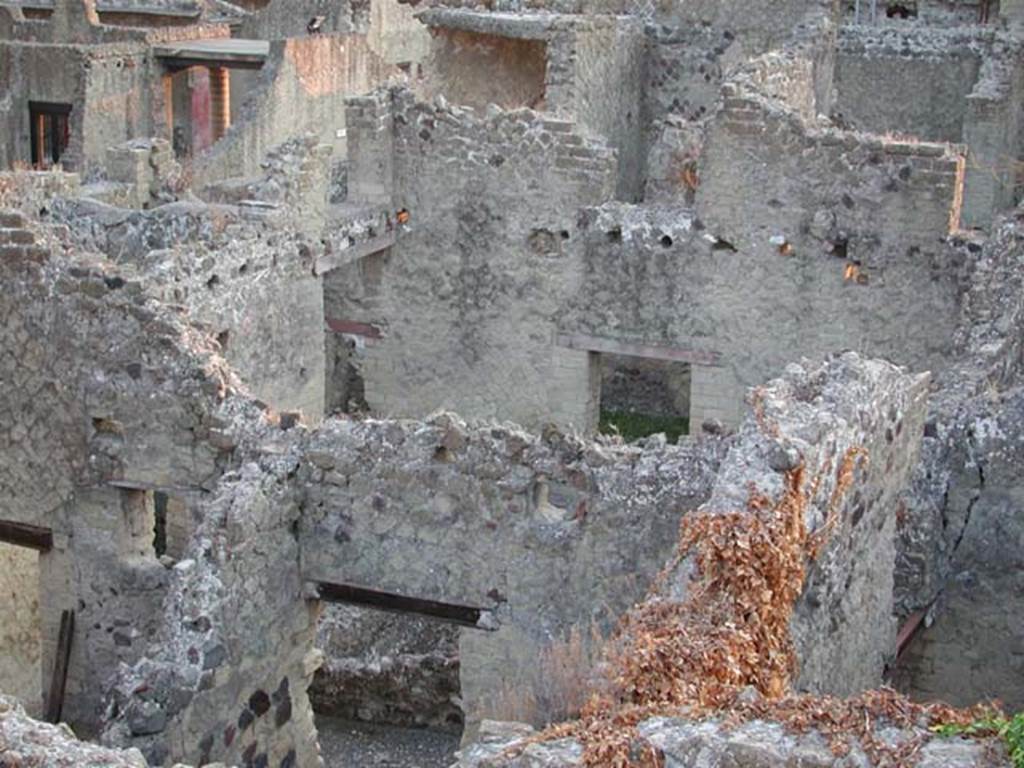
x: 1009, y: 729
x: 633, y: 426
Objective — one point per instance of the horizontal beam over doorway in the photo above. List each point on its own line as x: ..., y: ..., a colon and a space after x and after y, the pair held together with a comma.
x: 607, y: 346
x: 356, y: 251
x: 25, y: 535
x: 389, y: 601
x: 353, y: 328
x: 231, y: 53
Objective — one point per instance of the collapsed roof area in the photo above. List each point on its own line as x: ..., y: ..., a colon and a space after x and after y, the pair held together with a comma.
x: 313, y: 310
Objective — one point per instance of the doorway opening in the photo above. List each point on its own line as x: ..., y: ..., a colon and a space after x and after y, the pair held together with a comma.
x: 21, y: 640
x: 643, y: 396
x: 388, y: 690
x: 50, y: 132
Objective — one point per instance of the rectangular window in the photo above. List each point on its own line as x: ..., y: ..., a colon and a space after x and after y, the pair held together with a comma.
x: 50, y: 132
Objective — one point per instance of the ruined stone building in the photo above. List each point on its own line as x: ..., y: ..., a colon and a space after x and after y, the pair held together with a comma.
x: 409, y: 365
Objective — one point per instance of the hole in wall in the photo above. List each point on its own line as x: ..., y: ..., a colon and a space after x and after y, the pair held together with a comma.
x: 901, y: 11
x: 172, y: 525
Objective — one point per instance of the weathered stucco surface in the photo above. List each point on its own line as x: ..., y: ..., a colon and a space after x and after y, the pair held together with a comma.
x: 21, y: 672
x: 490, y: 212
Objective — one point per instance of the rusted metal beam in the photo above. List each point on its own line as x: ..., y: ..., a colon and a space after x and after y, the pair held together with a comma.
x: 59, y: 679
x: 25, y: 535
x: 388, y: 601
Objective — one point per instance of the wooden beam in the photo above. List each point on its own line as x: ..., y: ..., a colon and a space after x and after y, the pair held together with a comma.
x: 59, y: 679
x: 388, y: 601
x: 908, y: 630
x: 638, y: 349
x: 352, y: 328
x: 354, y: 252
x: 25, y: 535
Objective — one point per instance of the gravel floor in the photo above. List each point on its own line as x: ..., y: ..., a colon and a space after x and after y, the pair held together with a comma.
x: 346, y: 744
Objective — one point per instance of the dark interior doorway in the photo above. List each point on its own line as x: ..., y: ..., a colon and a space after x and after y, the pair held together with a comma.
x: 50, y: 132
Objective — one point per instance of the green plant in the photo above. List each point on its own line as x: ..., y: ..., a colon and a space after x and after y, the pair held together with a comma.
x: 1009, y: 729
x: 632, y: 426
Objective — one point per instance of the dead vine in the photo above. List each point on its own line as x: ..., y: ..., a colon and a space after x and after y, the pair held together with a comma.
x: 730, y: 633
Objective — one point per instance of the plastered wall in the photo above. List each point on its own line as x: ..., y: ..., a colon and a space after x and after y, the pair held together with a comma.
x: 20, y: 631
x: 474, y: 69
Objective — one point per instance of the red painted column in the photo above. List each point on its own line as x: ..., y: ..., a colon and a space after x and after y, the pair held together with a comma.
x: 220, y: 100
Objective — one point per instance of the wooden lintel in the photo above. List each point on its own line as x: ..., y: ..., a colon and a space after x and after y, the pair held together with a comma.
x: 586, y: 343
x: 25, y: 535
x: 170, y: 490
x: 59, y: 679
x: 353, y: 328
x: 908, y: 630
x: 354, y: 253
x: 389, y: 601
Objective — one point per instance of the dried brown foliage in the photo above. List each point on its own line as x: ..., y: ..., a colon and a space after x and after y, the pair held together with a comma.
x: 564, y: 679
x: 730, y: 633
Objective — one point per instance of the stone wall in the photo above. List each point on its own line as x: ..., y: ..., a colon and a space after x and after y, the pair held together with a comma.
x: 301, y: 89
x: 587, y: 69
x: 909, y: 192
x: 907, y: 81
x: 108, y: 87
x: 851, y: 415
x: 126, y: 398
x: 952, y: 85
x: 213, y: 653
x: 279, y: 20
x: 227, y: 680
x: 238, y: 621
x: 29, y: 742
x: 475, y: 69
x: 608, y: 67
x: 959, y: 547
x: 118, y: 398
x: 680, y: 743
x: 968, y: 650
x: 396, y: 35
x: 251, y: 287
x: 993, y: 132
x: 40, y: 73
x: 468, y: 326
x: 652, y: 277
x: 32, y: 192
x: 122, y: 101
x: 545, y: 534
x: 695, y: 46
x: 817, y: 418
